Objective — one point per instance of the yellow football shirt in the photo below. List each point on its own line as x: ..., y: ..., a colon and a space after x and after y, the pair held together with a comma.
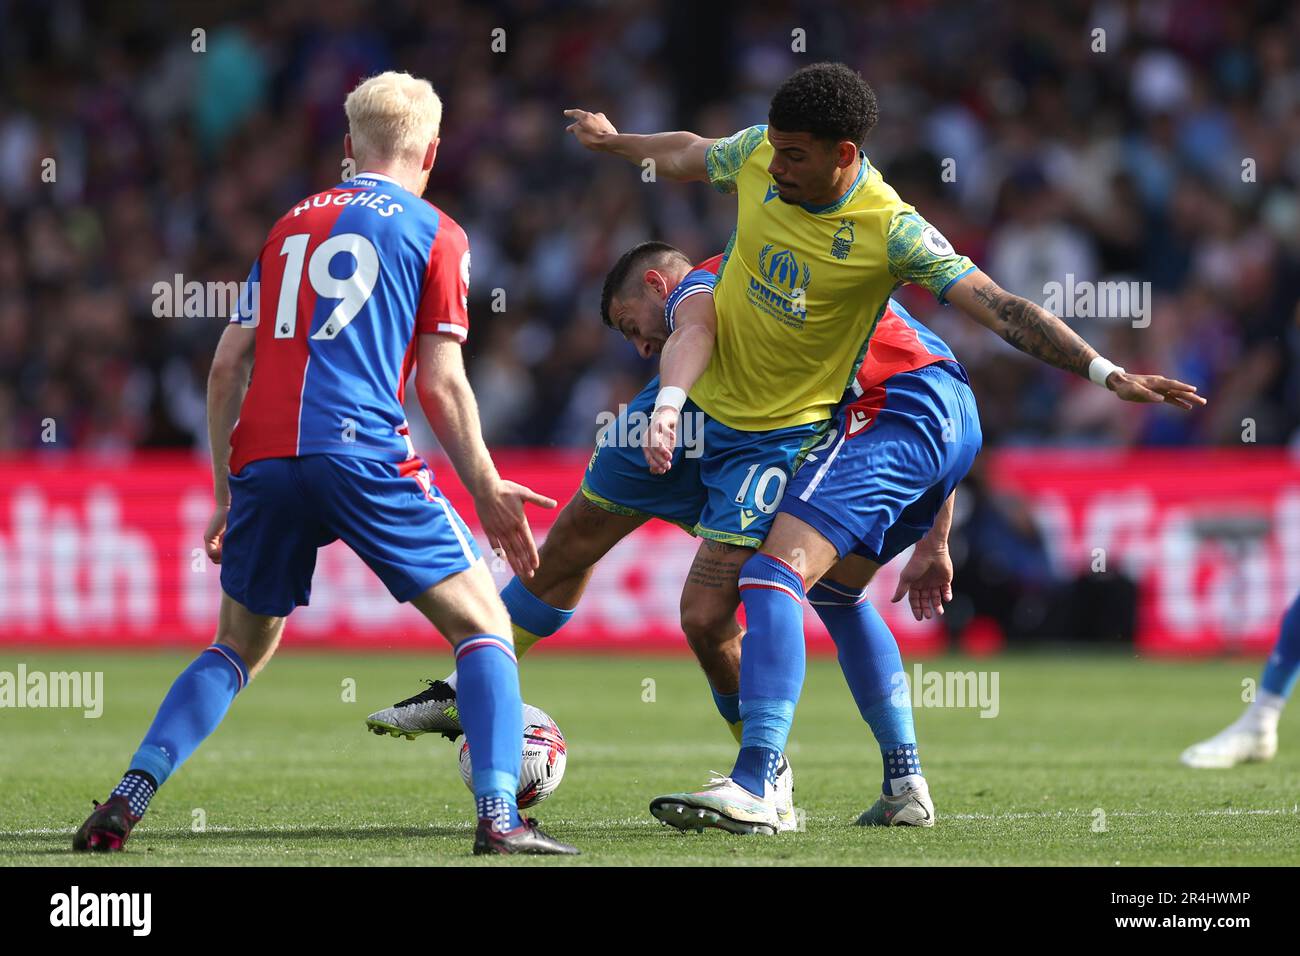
x: 801, y: 288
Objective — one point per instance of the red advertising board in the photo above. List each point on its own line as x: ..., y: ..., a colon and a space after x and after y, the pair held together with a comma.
x: 100, y: 552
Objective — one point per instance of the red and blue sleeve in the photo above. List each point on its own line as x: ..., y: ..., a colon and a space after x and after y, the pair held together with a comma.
x: 444, y: 300
x: 699, y: 280
x: 696, y: 282
x: 246, y: 311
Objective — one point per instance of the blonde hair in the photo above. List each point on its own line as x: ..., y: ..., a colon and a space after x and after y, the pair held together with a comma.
x: 393, y: 116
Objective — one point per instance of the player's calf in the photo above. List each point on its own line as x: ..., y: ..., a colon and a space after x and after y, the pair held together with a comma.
x: 193, y: 708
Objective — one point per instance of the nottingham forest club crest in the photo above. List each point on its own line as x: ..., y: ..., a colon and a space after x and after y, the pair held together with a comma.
x: 842, y: 241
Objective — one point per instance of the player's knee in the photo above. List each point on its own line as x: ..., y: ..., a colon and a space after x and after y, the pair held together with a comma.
x: 491, y: 618
x: 254, y: 649
x: 706, y: 626
x: 254, y: 637
x: 852, y: 571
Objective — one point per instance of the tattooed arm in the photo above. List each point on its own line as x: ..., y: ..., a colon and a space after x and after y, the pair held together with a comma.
x: 1037, y: 332
x: 1027, y: 326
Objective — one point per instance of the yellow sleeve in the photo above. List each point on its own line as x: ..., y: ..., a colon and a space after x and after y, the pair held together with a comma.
x: 919, y: 253
x: 726, y: 156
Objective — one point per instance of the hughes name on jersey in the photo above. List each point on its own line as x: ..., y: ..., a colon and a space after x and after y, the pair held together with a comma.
x: 343, y: 285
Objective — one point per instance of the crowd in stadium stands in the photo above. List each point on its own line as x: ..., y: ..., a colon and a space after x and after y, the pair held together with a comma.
x: 1149, y: 142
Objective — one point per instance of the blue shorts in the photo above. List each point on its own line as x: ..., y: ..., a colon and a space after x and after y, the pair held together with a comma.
x: 892, y: 458
x: 390, y: 514
x: 728, y: 491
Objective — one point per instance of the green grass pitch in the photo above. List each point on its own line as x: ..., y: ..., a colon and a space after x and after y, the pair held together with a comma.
x: 1079, y: 767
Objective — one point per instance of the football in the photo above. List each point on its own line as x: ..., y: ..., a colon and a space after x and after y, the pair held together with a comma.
x: 543, y: 758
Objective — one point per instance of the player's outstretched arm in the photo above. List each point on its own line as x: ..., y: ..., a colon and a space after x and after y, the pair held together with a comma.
x: 1037, y: 332
x: 449, y: 404
x: 227, y: 383
x: 678, y: 155
x: 683, y: 360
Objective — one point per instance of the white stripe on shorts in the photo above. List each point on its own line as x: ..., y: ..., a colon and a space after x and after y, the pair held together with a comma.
x: 821, y: 472
x: 455, y: 526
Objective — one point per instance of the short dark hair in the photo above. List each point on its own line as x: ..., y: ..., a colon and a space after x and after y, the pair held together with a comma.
x: 828, y: 100
x: 641, y: 256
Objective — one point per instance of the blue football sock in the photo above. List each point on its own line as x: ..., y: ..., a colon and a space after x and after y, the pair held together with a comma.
x: 192, y: 709
x: 729, y: 708
x: 1284, y: 662
x: 873, y: 668
x: 772, y: 666
x: 728, y: 705
x: 493, y: 718
x: 530, y: 612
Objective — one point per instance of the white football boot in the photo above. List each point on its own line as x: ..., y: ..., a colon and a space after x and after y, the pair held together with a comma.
x: 911, y: 808
x: 1246, y: 740
x: 723, y: 805
x: 784, y: 794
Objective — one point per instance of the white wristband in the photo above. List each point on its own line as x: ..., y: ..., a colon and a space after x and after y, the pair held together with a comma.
x: 672, y: 396
x: 1100, y: 368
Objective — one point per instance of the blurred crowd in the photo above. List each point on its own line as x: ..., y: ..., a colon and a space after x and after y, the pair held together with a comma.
x: 1153, y: 141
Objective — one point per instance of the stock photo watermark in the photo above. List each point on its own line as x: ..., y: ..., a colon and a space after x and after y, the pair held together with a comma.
x: 628, y: 429
x: 1083, y: 299
x: 127, y: 910
x: 56, y: 690
x: 956, y: 689
x: 177, y: 298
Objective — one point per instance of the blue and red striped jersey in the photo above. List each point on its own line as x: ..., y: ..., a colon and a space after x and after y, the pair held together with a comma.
x: 345, y: 282
x: 900, y: 344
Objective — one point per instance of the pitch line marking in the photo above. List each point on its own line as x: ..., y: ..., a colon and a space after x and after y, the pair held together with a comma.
x: 638, y: 821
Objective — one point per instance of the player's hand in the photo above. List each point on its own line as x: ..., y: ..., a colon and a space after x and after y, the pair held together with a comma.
x: 1154, y: 389
x: 927, y: 580
x: 661, y: 439
x: 591, y: 129
x: 501, y: 513
x: 216, y: 533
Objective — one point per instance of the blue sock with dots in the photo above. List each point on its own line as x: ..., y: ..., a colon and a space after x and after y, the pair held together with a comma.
x: 902, y: 769
x: 500, y: 810
x: 138, y: 788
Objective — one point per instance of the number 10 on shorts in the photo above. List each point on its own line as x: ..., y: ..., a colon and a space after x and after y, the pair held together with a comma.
x: 768, y: 488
